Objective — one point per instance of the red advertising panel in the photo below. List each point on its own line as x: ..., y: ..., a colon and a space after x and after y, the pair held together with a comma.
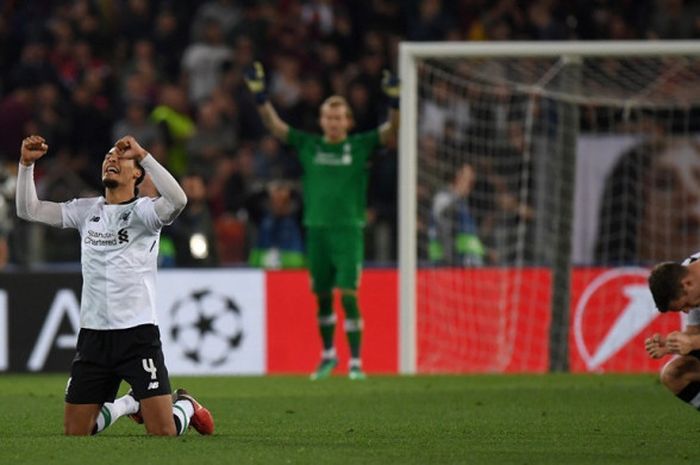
x: 612, y: 312
x: 483, y: 320
x: 293, y: 342
x: 477, y: 320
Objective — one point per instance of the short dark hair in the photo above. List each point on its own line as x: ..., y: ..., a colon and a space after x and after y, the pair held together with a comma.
x: 139, y: 180
x: 665, y: 283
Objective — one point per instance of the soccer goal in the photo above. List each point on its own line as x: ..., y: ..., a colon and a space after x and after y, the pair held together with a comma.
x: 538, y: 182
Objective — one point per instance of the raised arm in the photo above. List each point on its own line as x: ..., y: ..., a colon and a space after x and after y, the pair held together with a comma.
x: 29, y: 207
x: 255, y: 80
x: 172, y: 198
x: 392, y: 88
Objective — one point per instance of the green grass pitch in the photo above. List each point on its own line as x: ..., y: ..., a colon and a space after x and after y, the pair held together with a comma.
x: 499, y: 419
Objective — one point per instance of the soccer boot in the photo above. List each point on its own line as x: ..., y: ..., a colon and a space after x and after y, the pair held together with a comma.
x: 356, y: 374
x: 135, y: 416
x: 325, y: 368
x: 201, y: 420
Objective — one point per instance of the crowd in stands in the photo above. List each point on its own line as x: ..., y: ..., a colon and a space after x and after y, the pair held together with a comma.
x: 83, y: 73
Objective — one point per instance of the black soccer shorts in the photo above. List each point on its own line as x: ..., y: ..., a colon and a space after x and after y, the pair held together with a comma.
x: 106, y: 357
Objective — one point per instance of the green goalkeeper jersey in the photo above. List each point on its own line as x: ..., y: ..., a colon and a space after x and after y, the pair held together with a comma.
x: 335, y: 177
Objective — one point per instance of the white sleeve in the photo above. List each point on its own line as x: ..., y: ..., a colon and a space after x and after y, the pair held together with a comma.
x: 29, y: 207
x: 691, y: 259
x: 173, y: 199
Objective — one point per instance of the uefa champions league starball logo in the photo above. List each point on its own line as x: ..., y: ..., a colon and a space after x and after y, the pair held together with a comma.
x: 206, y: 326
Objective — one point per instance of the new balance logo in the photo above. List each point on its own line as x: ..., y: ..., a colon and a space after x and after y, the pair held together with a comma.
x: 95, y: 219
x: 152, y: 385
x: 123, y: 236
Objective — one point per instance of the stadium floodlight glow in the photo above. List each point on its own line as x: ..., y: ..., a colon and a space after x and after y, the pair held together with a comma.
x: 459, y: 102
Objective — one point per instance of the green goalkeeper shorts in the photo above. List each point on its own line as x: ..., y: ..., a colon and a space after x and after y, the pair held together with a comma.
x: 334, y: 257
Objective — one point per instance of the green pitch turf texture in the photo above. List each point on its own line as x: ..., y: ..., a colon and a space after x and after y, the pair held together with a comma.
x: 546, y: 419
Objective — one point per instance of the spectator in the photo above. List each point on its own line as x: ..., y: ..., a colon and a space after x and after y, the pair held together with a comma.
x: 50, y: 117
x: 510, y: 202
x: 272, y: 162
x: 431, y: 23
x: 285, y: 82
x: 169, y: 41
x: 276, y: 217
x: 304, y: 113
x: 136, y: 20
x: 672, y: 20
x: 193, y: 234
x: 213, y: 140
x: 34, y: 66
x: 172, y: 116
x: 224, y: 12
x: 203, y: 61
x: 442, y: 107
x: 453, y: 232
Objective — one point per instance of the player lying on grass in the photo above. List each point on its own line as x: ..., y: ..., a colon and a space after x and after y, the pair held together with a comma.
x: 676, y: 288
x: 119, y: 337
x: 335, y: 182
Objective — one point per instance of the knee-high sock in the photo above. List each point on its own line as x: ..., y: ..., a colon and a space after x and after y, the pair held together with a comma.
x: 326, y: 323
x: 353, y: 326
x: 111, y: 411
x: 182, y: 412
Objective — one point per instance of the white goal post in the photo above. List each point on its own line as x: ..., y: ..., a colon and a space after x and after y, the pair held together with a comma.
x: 411, y: 56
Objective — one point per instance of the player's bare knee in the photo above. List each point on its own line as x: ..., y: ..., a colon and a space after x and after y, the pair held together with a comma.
x: 679, y: 372
x: 71, y: 429
x: 161, y: 430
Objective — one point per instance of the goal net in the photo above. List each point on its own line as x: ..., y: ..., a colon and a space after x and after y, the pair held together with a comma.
x: 538, y: 184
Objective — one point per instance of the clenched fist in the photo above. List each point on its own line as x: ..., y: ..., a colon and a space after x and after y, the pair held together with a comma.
x: 656, y: 346
x: 679, y: 343
x: 128, y: 147
x: 33, y: 148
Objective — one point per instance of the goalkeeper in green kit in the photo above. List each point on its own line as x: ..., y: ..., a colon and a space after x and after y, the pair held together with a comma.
x: 335, y: 176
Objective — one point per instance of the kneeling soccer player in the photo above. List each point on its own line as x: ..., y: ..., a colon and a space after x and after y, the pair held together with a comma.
x: 676, y: 288
x: 119, y: 337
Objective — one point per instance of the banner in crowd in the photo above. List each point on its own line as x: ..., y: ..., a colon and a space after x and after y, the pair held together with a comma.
x: 595, y: 161
x: 636, y: 198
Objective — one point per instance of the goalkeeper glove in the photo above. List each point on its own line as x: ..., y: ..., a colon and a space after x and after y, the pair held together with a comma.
x: 391, y: 85
x: 254, y: 77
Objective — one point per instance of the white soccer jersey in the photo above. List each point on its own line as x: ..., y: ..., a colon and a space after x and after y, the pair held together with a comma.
x: 693, y: 317
x: 119, y: 245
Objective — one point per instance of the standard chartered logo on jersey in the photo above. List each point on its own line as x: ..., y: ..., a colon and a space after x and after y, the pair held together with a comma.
x: 106, y: 239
